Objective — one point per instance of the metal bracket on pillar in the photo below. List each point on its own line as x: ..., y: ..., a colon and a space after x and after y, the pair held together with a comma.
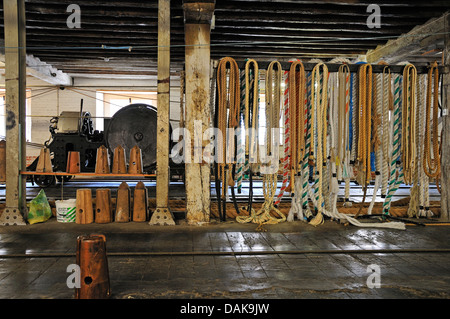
x: 12, y: 216
x: 162, y: 216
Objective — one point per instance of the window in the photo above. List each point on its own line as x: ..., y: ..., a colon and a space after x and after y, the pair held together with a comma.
x: 109, y: 102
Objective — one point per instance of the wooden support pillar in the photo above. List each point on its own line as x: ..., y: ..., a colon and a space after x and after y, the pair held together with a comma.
x: 162, y: 214
x: 445, y: 156
x: 197, y: 15
x: 15, y: 84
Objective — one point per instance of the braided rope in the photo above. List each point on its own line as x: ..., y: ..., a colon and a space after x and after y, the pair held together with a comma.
x: 286, y: 160
x: 385, y: 132
x: 363, y: 122
x: 423, y: 178
x: 308, y: 149
x: 229, y: 98
x: 396, y: 174
x: 432, y: 166
x: 409, y: 122
x: 377, y: 124
x: 273, y: 88
x: 319, y: 105
x: 240, y: 162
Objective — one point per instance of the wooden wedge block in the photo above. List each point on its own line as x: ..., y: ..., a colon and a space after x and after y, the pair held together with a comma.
x: 102, y: 162
x: 140, y: 203
x: 85, y: 210
x: 123, y: 204
x: 73, y: 162
x: 44, y: 164
x: 119, y: 161
x: 92, y: 259
x: 135, y: 163
x: 103, y: 209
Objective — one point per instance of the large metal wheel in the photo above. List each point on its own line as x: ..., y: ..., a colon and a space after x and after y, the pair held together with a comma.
x: 132, y: 125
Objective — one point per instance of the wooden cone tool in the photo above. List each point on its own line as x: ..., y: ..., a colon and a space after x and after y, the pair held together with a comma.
x: 85, y: 211
x: 135, y: 163
x: 123, y: 204
x: 2, y: 161
x: 119, y: 161
x: 94, y: 274
x: 44, y: 164
x: 103, y: 211
x: 102, y: 163
x: 73, y: 162
x: 140, y: 203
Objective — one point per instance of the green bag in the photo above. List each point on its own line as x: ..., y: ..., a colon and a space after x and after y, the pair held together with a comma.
x: 40, y: 210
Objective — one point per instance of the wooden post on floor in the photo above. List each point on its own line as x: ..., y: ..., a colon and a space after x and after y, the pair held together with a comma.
x: 162, y: 214
x: 15, y: 85
x: 198, y: 16
x: 445, y: 156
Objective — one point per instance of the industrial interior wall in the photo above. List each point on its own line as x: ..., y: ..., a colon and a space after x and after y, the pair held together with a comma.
x: 47, y: 101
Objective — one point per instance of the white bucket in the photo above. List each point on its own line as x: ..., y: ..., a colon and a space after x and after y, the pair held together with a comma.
x: 66, y: 210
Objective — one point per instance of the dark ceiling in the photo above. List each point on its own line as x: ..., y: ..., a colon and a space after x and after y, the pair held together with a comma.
x: 257, y: 29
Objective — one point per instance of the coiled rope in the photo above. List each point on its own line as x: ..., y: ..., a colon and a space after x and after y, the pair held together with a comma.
x: 396, y: 174
x: 387, y: 107
x: 297, y: 122
x: 228, y: 117
x: 268, y: 170
x: 432, y: 164
x: 319, y: 101
x: 409, y: 122
x: 363, y: 120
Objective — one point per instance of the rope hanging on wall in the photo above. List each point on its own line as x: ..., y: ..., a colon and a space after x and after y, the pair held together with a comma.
x: 431, y: 156
x: 319, y: 101
x: 227, y: 117
x: 338, y: 127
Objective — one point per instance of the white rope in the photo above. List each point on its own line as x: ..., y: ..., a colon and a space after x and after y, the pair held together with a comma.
x: 355, y: 222
x: 386, y: 134
x: 319, y: 101
x: 423, y: 178
x: 378, y: 153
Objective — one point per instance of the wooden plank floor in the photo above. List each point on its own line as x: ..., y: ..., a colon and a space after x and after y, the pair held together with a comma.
x: 232, y: 261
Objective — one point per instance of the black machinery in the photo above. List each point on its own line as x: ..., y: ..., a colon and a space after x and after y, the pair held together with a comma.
x: 132, y: 125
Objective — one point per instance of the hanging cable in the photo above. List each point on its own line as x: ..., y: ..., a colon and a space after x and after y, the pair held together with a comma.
x: 396, y: 173
x: 386, y: 134
x: 285, y: 162
x: 251, y: 122
x: 297, y: 118
x: 269, y: 170
x: 319, y: 100
x: 364, y: 118
x: 409, y: 122
x: 344, y: 129
x: 228, y: 118
x: 431, y: 157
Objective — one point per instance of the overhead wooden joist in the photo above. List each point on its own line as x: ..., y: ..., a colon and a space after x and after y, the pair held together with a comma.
x: 242, y: 29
